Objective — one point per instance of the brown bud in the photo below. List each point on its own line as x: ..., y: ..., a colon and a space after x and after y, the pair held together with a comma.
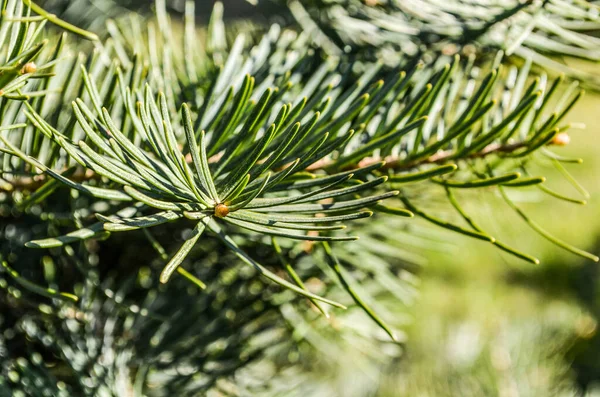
x: 561, y: 139
x: 221, y: 211
x: 450, y: 49
x: 29, y: 67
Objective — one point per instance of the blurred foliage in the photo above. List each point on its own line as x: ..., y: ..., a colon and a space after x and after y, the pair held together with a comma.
x: 389, y: 30
x: 482, y: 299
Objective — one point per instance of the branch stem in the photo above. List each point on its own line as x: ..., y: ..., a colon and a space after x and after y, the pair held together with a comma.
x: 391, y: 163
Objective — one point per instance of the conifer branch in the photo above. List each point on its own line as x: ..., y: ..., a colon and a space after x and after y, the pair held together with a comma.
x: 249, y: 155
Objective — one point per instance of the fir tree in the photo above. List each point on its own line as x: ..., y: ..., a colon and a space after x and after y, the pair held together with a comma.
x: 181, y: 206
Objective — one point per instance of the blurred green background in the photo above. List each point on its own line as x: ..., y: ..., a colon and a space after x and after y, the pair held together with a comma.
x: 488, y: 325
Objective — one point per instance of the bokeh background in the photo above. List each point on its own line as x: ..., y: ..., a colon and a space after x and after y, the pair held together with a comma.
x: 486, y: 320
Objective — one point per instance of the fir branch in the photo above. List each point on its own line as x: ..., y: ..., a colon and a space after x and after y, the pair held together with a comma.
x: 236, y: 152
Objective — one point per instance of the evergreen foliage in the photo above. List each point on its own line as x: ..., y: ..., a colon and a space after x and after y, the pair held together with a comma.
x: 181, y: 206
x: 390, y: 30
